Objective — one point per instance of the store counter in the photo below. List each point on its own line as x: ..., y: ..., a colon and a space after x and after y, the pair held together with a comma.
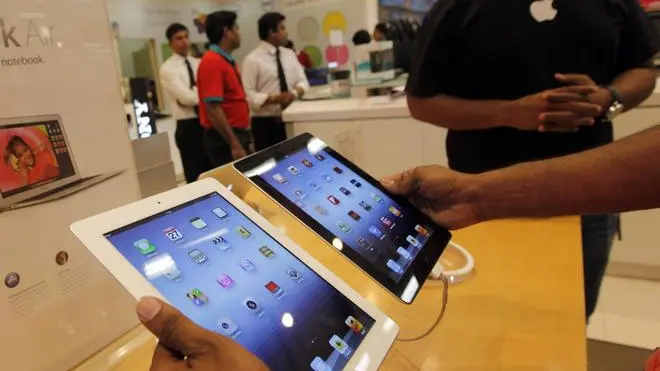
x: 522, y: 308
x: 376, y: 133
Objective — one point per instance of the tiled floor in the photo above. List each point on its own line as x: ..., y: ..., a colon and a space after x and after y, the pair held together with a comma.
x: 628, y: 313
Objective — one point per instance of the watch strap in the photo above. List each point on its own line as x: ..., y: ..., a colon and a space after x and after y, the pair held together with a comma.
x: 616, y: 97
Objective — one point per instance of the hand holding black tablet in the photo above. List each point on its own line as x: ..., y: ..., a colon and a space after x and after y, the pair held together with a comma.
x: 383, y: 234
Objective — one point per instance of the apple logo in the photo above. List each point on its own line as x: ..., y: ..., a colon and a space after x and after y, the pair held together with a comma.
x: 543, y: 10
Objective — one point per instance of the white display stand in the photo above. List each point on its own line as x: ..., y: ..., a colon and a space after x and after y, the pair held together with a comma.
x: 62, y: 310
x: 154, y: 166
x: 378, y: 133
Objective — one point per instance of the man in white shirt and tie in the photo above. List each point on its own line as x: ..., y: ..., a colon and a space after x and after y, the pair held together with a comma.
x: 179, y: 78
x: 273, y: 78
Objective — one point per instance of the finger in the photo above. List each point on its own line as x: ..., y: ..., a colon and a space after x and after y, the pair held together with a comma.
x: 577, y: 79
x: 399, y: 184
x: 580, y: 108
x: 173, y: 330
x: 165, y: 360
x: 557, y: 97
x: 576, y: 89
x: 567, y: 119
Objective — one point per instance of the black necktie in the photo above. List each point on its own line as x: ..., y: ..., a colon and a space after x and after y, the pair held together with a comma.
x: 193, y: 82
x: 284, y: 87
x: 191, y: 74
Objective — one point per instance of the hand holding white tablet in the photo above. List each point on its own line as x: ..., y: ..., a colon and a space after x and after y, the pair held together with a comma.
x: 223, y: 266
x: 178, y: 336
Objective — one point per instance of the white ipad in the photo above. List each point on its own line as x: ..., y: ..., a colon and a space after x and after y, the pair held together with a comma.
x: 223, y: 265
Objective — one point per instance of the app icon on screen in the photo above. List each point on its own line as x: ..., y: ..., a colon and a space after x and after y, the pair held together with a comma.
x: 225, y: 280
x: 339, y: 344
x: 294, y: 170
x: 333, y: 200
x: 394, y: 266
x: 421, y: 230
x: 300, y: 204
x: 320, y: 365
x: 243, y: 232
x: 275, y: 289
x: 375, y: 232
x: 337, y: 170
x: 376, y: 198
x: 220, y: 213
x: 387, y: 222
x: 228, y: 327
x: 315, y: 186
x: 344, y: 227
x: 162, y: 265
x: 327, y: 178
x: 363, y: 243
x: 355, y: 216
x: 356, y: 183
x: 294, y: 275
x: 365, y: 206
x: 247, y: 265
x: 221, y: 243
x: 198, y: 256
x: 267, y: 252
x: 345, y: 191
x: 300, y: 193
x: 395, y: 212
x: 280, y: 178
x: 307, y: 163
x: 172, y: 272
x: 198, y: 223
x: 404, y: 253
x: 197, y: 297
x: 173, y: 234
x: 144, y: 246
x: 319, y: 157
x: 321, y: 210
x: 253, y: 306
x: 355, y: 325
x: 413, y: 241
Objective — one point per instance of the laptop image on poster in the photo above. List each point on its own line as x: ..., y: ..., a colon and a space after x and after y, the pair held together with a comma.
x: 36, y: 163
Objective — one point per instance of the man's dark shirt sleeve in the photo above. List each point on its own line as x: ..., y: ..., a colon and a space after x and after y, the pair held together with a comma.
x: 431, y: 67
x: 639, y: 39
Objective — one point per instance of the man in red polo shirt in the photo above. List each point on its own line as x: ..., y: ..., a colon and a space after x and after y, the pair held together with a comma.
x: 224, y: 111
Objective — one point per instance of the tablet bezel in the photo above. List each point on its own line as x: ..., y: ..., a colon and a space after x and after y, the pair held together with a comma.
x: 412, y: 281
x: 91, y: 232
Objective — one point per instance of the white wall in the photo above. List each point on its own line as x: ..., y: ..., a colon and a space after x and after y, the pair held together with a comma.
x: 309, y: 22
x: 149, y: 19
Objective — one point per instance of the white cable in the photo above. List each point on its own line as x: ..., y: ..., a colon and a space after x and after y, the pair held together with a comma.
x: 456, y: 275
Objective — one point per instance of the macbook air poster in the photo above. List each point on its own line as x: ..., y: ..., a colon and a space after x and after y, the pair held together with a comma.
x: 37, y: 163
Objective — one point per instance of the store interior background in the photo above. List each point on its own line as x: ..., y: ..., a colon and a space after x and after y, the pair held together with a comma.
x: 629, y: 308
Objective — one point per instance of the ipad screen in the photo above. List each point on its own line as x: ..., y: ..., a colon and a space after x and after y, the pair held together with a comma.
x: 385, y: 233
x: 230, y: 276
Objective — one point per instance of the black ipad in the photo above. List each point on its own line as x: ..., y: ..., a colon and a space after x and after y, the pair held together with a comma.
x: 383, y: 234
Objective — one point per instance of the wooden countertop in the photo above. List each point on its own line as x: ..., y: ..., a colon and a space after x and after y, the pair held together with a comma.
x: 522, y: 309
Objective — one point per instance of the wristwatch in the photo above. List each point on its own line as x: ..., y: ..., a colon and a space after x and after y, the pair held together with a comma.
x: 616, y: 107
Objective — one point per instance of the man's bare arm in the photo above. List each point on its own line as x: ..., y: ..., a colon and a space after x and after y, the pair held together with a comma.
x: 524, y: 113
x: 618, y: 177
x: 458, y: 114
x: 221, y: 124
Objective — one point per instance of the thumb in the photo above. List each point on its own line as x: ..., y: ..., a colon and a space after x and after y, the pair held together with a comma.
x: 174, y: 330
x: 399, y: 184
